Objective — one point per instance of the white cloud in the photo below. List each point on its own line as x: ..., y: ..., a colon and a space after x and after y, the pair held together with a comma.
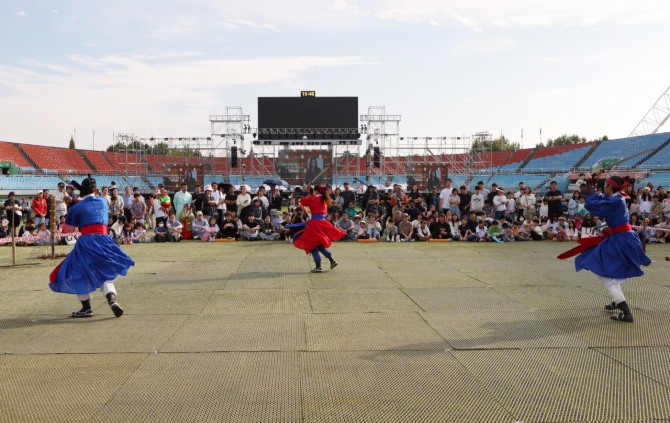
x: 22, y: 13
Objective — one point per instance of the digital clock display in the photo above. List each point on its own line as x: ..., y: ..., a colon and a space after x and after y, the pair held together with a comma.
x: 307, y: 93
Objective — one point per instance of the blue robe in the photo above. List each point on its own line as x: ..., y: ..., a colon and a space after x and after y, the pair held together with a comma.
x: 95, y: 258
x: 620, y: 255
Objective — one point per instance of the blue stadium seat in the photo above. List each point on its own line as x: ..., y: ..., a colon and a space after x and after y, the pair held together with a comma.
x: 621, y: 148
x: 562, y: 162
x: 660, y: 160
x: 33, y: 184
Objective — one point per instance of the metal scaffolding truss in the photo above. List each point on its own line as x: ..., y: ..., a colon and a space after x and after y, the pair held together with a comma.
x: 655, y: 117
x: 231, y: 128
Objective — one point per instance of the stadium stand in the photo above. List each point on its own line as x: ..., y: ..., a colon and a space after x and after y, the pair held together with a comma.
x: 99, y: 161
x: 559, y: 162
x: 490, y: 159
x: 511, y: 182
x: 516, y: 159
x: 127, y: 162
x: 137, y: 181
x: 155, y: 180
x: 9, y: 153
x: 58, y: 160
x: 28, y: 184
x: 659, y: 179
x: 660, y: 160
x: 621, y: 148
x: 160, y: 163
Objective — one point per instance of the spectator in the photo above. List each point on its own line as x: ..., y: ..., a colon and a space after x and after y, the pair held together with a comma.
x: 441, y: 229
x: 243, y: 201
x: 477, y: 200
x: 186, y: 218
x: 231, y: 200
x: 572, y: 232
x: 510, y: 208
x: 454, y: 202
x: 198, y: 199
x: 371, y: 200
x: 433, y: 198
x: 465, y: 201
x: 211, y: 231
x: 199, y: 225
x: 13, y: 210
x: 44, y: 234
x: 351, y: 210
x: 481, y: 233
x: 464, y: 233
x: 174, y: 227
x: 115, y: 205
x: 492, y: 193
x: 391, y: 233
x: 527, y: 202
x: 495, y: 232
x: 346, y: 225
x: 444, y: 196
x: 140, y: 234
x: 127, y: 199
x: 267, y: 230
x: 40, y: 208
x: 338, y: 200
x: 544, y: 209
x: 499, y: 204
x: 374, y: 228
x: 229, y: 229
x: 138, y: 208
x: 508, y: 234
x: 182, y: 197
x: 127, y: 234
x: 348, y: 196
x: 61, y: 200
x: 250, y: 229
x: 25, y: 206
x: 554, y: 200
x: 161, y: 232
x: 422, y: 233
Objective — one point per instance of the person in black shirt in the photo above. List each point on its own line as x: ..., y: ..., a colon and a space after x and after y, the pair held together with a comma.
x: 231, y: 200
x: 441, y: 228
x: 493, y: 193
x: 198, y: 198
x: 555, y: 200
x: 464, y: 205
x: 13, y: 210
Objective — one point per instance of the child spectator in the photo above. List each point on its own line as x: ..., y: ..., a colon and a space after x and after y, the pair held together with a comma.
x: 572, y: 232
x: 127, y: 234
x: 495, y: 231
x: 43, y: 233
x: 422, y: 233
x: 510, y: 208
x: 250, y: 229
x: 211, y: 232
x: 544, y: 208
x: 161, y: 232
x: 140, y: 233
x: 508, y: 233
x: 374, y: 228
x: 363, y: 230
x: 481, y: 233
x: 351, y: 210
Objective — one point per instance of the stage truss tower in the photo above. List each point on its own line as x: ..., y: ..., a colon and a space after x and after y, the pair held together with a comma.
x: 230, y: 128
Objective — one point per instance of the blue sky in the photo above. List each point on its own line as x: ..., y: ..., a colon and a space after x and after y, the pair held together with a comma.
x: 160, y: 68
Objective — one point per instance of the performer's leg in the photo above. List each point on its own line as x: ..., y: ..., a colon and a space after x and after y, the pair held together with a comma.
x: 86, y: 310
x: 317, y: 261
x: 613, y: 286
x: 109, y: 291
x: 328, y: 255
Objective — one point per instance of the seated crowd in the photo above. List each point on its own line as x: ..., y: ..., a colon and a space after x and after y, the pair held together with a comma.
x: 450, y: 214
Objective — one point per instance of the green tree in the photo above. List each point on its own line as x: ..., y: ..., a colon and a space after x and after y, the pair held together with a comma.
x: 570, y: 140
x: 500, y: 144
x: 72, y: 142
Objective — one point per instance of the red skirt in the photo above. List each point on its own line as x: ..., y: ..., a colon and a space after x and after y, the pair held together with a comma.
x: 317, y: 232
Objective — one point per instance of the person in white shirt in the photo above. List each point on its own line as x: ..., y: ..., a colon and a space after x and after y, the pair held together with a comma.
x: 159, y: 211
x: 527, y: 204
x: 519, y: 193
x: 499, y: 204
x: 61, y: 200
x: 444, y: 196
x: 477, y: 200
x: 243, y: 201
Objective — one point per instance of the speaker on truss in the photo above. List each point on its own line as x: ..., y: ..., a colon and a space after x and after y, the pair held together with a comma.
x: 376, y: 157
x: 233, y: 156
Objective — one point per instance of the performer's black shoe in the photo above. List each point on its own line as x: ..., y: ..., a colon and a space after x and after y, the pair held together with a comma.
x: 85, y: 311
x: 611, y: 306
x: 116, y: 308
x: 625, y: 315
x: 316, y: 270
x: 333, y: 263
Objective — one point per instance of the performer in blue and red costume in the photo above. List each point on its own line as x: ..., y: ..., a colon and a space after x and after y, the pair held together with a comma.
x: 95, y: 261
x: 318, y: 234
x: 616, y: 255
